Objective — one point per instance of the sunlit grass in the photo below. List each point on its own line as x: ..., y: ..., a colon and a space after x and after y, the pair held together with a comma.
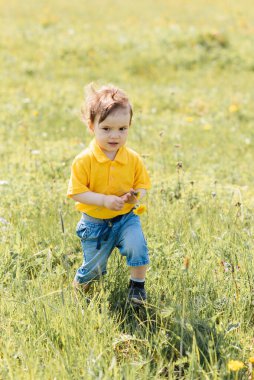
x: 188, y: 69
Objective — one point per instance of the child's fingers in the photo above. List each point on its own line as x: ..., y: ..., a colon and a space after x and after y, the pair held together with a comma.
x: 119, y: 206
x: 129, y: 197
x: 126, y: 197
x: 134, y: 193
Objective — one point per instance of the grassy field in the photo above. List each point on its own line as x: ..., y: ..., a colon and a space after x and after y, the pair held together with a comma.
x: 188, y: 68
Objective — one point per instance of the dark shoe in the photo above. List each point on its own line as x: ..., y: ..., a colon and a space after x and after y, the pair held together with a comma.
x: 137, y: 295
x: 81, y: 287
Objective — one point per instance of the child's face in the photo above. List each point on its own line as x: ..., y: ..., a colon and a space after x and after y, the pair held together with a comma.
x: 112, y: 132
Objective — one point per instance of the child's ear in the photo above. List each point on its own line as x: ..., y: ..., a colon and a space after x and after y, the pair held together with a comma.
x: 90, y: 127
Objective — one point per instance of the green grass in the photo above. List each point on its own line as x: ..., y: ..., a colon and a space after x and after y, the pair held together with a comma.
x: 189, y: 71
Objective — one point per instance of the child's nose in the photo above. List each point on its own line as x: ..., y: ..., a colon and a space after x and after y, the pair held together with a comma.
x: 115, y: 134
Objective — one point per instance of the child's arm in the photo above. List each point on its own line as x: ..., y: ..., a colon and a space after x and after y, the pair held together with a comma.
x: 112, y: 202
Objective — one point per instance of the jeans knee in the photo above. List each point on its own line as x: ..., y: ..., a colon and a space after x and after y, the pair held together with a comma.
x: 136, y: 256
x: 83, y: 276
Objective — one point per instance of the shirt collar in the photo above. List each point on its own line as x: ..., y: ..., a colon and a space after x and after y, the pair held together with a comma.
x: 121, y: 156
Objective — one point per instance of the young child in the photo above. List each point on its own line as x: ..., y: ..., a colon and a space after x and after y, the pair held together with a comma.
x: 107, y: 179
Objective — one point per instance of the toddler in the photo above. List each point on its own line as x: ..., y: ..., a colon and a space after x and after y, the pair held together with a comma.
x: 107, y: 179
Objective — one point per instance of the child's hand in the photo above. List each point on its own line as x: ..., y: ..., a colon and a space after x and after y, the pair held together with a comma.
x: 130, y: 197
x: 112, y: 202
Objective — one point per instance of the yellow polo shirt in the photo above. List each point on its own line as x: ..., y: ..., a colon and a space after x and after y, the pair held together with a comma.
x: 93, y: 171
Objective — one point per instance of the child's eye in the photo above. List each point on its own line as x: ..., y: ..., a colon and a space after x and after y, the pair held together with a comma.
x: 123, y: 129
x: 105, y: 129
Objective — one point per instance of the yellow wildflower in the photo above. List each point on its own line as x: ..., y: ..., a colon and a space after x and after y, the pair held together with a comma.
x: 139, y: 210
x: 47, y: 18
x: 235, y: 365
x: 189, y: 119
x: 233, y: 108
x: 251, y: 360
x: 207, y: 127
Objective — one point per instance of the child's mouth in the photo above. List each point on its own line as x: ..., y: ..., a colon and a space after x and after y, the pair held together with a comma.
x: 113, y: 144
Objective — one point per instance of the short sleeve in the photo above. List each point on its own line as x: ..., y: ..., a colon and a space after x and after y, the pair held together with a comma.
x: 79, y: 179
x: 141, y: 179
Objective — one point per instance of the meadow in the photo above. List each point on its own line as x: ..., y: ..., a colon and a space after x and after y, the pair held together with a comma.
x: 188, y: 68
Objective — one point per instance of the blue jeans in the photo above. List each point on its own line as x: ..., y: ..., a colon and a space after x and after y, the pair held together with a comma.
x: 98, y: 239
